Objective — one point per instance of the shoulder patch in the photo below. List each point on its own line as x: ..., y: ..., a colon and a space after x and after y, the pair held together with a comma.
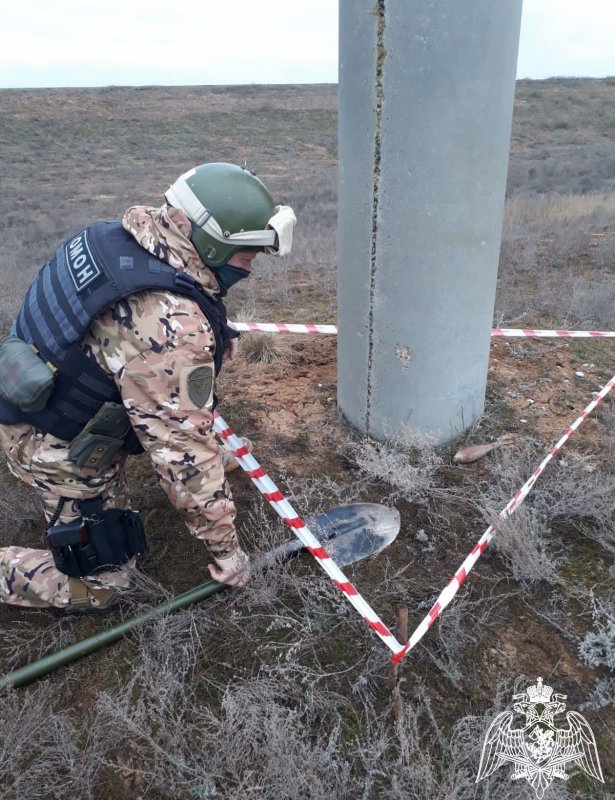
x: 199, y: 384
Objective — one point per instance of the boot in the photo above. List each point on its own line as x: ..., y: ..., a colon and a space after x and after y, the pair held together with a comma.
x: 82, y: 597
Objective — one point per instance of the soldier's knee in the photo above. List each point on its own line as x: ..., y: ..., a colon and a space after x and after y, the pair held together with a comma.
x: 27, y: 577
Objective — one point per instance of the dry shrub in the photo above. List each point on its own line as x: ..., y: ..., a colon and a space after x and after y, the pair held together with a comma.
x: 521, y: 541
x: 407, y: 462
x: 22, y: 644
x: 598, y: 647
x: 571, y: 300
x: 424, y: 762
x: 171, y: 728
x: 40, y: 752
x: 603, y: 694
x: 257, y: 347
x: 268, y: 737
x: 265, y: 348
x: 572, y: 487
x: 605, y: 413
x: 571, y: 490
x: 581, y: 491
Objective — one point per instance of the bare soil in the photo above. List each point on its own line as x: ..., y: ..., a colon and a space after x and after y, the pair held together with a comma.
x: 539, y: 381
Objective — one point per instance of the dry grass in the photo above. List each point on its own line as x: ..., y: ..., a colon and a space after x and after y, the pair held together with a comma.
x: 546, y: 213
x: 20, y: 504
x: 558, y: 246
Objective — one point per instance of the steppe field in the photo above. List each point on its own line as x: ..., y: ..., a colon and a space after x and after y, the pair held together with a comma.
x: 279, y: 691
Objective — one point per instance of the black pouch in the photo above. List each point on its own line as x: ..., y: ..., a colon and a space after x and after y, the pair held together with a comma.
x: 98, y: 542
x: 102, y: 438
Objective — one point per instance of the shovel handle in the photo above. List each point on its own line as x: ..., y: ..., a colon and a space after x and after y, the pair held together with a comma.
x: 52, y: 661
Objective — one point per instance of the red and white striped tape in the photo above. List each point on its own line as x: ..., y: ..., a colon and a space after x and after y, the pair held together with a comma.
x: 289, y: 327
x: 282, y: 327
x: 459, y: 577
x: 290, y: 517
x: 543, y: 334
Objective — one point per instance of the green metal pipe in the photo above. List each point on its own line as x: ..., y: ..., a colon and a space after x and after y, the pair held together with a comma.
x: 48, y: 663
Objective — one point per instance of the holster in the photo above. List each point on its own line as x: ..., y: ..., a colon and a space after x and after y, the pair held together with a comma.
x: 100, y: 541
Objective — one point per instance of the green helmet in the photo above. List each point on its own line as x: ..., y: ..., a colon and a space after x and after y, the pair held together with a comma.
x: 229, y: 208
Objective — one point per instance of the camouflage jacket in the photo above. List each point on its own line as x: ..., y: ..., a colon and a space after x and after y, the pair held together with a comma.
x: 151, y: 344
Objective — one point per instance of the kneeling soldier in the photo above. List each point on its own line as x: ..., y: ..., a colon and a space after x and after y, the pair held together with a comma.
x: 114, y: 352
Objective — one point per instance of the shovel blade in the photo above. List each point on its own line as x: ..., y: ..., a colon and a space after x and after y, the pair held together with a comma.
x: 352, y: 532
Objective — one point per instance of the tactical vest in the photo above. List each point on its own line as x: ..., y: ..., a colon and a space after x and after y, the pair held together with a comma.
x: 90, y: 272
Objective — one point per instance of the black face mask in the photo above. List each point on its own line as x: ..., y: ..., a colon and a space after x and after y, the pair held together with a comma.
x: 227, y: 275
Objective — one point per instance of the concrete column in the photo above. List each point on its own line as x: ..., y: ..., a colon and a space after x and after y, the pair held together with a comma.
x: 426, y: 96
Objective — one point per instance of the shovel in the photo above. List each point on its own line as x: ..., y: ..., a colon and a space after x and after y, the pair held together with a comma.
x: 351, y: 533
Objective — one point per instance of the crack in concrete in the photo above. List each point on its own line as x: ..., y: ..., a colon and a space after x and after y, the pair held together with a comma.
x: 380, y: 57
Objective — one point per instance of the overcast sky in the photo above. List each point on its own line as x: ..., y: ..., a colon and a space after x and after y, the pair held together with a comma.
x: 77, y: 43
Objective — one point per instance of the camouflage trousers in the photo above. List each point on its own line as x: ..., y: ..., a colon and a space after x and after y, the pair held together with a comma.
x: 28, y: 577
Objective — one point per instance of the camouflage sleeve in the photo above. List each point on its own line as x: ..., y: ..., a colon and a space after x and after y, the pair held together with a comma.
x: 162, y: 357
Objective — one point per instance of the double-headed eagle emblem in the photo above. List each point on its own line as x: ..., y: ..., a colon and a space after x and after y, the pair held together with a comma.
x: 539, y: 750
